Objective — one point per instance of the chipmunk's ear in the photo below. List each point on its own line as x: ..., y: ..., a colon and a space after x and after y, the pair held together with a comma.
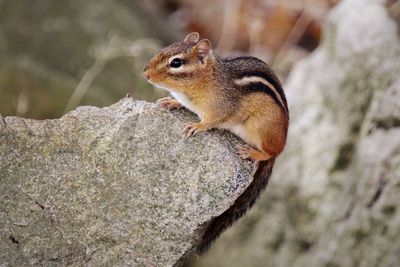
x: 203, y: 48
x: 192, y: 37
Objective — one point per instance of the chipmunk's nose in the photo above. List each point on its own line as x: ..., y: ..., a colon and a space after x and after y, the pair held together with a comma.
x: 146, y: 73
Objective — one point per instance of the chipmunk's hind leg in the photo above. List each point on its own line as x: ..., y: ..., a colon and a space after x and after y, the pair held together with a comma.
x: 248, y: 152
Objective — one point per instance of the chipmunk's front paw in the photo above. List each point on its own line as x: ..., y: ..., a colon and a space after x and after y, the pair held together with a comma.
x: 169, y: 103
x: 193, y: 128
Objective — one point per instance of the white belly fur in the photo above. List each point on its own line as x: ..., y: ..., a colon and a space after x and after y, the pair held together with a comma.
x: 238, y: 130
x: 184, y: 100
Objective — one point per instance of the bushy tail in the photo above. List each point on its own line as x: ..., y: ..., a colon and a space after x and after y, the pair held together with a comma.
x: 238, y: 209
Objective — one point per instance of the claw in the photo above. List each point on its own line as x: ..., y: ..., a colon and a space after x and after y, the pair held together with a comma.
x: 244, y: 151
x: 191, y: 129
x: 249, y: 152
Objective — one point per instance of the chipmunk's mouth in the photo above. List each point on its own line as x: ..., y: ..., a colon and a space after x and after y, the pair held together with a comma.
x: 162, y: 86
x: 156, y: 84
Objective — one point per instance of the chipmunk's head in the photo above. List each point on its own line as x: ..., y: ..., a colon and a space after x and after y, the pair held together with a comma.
x: 181, y: 65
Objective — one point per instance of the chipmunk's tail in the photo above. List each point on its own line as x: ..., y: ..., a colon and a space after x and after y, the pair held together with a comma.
x: 240, y: 207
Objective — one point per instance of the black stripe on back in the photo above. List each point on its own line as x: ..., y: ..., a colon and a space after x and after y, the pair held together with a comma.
x: 271, y: 80
x: 261, y: 87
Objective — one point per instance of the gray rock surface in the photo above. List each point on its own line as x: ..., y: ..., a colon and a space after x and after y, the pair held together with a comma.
x: 334, y: 199
x: 115, y: 186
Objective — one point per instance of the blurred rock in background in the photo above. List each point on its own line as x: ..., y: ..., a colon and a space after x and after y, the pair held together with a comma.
x: 334, y: 196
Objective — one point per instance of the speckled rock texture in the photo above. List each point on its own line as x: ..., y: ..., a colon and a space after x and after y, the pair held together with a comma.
x: 335, y: 197
x: 114, y: 186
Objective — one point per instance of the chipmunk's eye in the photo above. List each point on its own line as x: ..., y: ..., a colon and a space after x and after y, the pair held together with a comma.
x: 176, y: 63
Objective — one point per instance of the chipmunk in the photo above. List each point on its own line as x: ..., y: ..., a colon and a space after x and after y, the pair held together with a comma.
x: 238, y: 94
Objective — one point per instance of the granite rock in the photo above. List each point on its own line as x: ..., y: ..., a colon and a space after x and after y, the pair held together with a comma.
x: 114, y: 186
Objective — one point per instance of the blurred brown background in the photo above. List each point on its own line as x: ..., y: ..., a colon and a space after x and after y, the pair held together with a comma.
x: 56, y: 55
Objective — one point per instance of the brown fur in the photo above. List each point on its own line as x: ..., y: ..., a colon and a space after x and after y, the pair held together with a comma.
x: 255, y: 111
x: 210, y: 88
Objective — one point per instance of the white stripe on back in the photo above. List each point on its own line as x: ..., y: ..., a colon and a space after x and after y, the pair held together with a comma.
x: 254, y: 79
